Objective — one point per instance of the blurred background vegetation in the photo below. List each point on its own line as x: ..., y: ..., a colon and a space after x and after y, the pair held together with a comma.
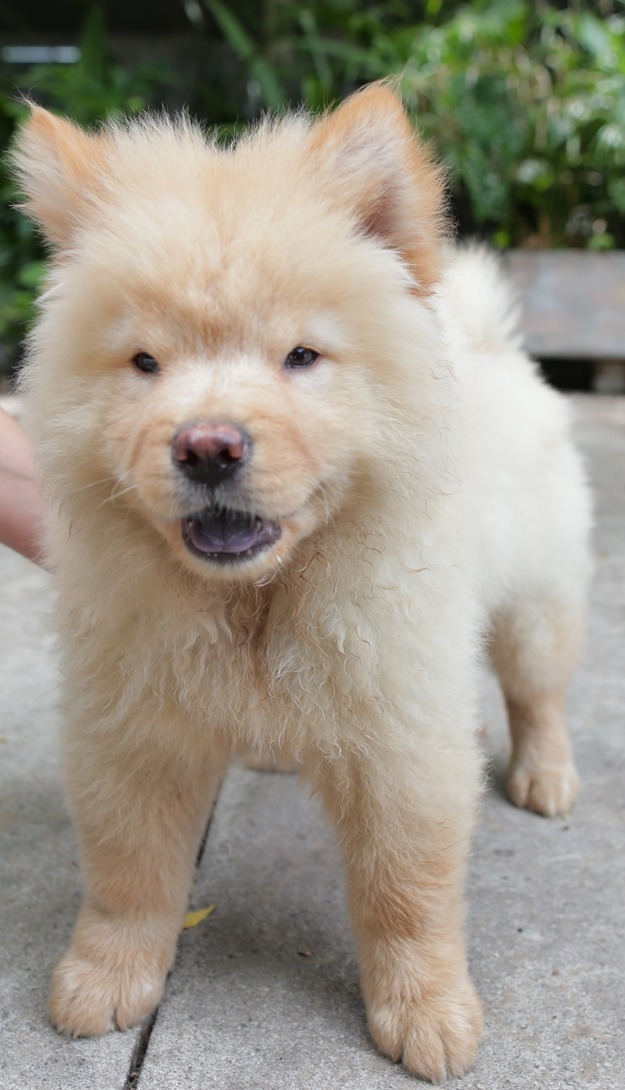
x: 524, y: 101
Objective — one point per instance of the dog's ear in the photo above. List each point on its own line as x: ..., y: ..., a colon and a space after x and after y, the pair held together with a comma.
x: 59, y: 168
x: 377, y: 167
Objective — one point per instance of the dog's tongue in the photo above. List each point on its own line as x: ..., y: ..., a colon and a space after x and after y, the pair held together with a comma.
x: 219, y: 531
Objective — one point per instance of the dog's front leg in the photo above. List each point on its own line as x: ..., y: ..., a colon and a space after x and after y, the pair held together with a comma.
x: 405, y: 823
x: 140, y: 799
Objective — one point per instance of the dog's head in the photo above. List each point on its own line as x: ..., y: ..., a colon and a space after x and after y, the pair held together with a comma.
x: 222, y: 324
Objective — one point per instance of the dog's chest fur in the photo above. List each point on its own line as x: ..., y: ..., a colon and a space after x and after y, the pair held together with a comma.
x: 271, y: 668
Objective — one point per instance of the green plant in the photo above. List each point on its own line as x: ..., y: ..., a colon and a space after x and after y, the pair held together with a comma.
x: 524, y: 102
x: 527, y: 106
x: 89, y: 90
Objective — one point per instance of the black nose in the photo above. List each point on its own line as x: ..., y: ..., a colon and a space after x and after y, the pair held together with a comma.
x: 210, y: 453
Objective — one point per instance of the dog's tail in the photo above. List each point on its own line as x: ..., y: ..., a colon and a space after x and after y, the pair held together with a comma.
x: 484, y: 300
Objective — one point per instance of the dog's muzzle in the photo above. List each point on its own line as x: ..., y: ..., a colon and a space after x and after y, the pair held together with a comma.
x: 213, y: 455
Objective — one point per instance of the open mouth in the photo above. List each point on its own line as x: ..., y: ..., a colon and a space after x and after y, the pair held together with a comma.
x: 225, y: 536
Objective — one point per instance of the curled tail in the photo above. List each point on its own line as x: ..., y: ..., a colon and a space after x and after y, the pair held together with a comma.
x: 483, y: 299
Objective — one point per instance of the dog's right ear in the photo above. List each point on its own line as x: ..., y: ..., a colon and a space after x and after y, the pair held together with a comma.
x: 59, y: 168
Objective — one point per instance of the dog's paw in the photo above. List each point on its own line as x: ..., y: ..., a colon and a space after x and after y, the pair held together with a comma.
x: 89, y: 998
x: 547, y: 789
x: 436, y: 1036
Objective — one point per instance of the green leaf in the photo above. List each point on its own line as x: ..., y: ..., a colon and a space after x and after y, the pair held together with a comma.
x: 594, y: 36
x: 31, y: 274
x: 241, y: 43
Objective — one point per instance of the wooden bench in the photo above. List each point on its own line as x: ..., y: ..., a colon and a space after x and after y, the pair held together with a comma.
x: 573, y: 302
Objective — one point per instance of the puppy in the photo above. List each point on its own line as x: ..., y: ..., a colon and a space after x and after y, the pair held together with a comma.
x: 299, y: 471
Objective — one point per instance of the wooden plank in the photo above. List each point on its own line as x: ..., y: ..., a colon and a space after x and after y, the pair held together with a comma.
x: 573, y: 303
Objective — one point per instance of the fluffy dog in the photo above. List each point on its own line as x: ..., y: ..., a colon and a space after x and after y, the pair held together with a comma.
x: 300, y: 471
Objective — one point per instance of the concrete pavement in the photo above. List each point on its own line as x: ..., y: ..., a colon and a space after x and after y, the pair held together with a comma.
x: 264, y: 994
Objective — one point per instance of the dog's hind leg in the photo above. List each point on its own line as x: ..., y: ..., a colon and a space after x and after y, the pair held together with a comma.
x: 534, y: 648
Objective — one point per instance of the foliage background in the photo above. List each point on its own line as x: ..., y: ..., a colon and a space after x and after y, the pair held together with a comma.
x: 524, y: 101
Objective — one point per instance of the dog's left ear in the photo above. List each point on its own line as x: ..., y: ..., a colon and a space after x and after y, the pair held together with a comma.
x: 377, y: 168
x: 60, y: 169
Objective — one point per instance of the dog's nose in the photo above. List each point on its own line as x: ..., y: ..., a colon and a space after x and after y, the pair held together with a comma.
x: 210, y: 453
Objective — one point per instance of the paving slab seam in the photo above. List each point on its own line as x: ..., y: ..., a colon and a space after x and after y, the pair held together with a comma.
x: 140, y: 1050
x: 206, y: 833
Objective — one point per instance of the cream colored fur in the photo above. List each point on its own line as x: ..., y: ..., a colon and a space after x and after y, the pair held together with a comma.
x: 430, y: 501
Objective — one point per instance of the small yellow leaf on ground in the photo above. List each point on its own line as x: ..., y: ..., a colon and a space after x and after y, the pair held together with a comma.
x: 192, y: 919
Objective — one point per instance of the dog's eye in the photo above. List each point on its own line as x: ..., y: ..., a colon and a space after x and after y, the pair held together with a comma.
x: 143, y: 361
x: 301, y: 357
